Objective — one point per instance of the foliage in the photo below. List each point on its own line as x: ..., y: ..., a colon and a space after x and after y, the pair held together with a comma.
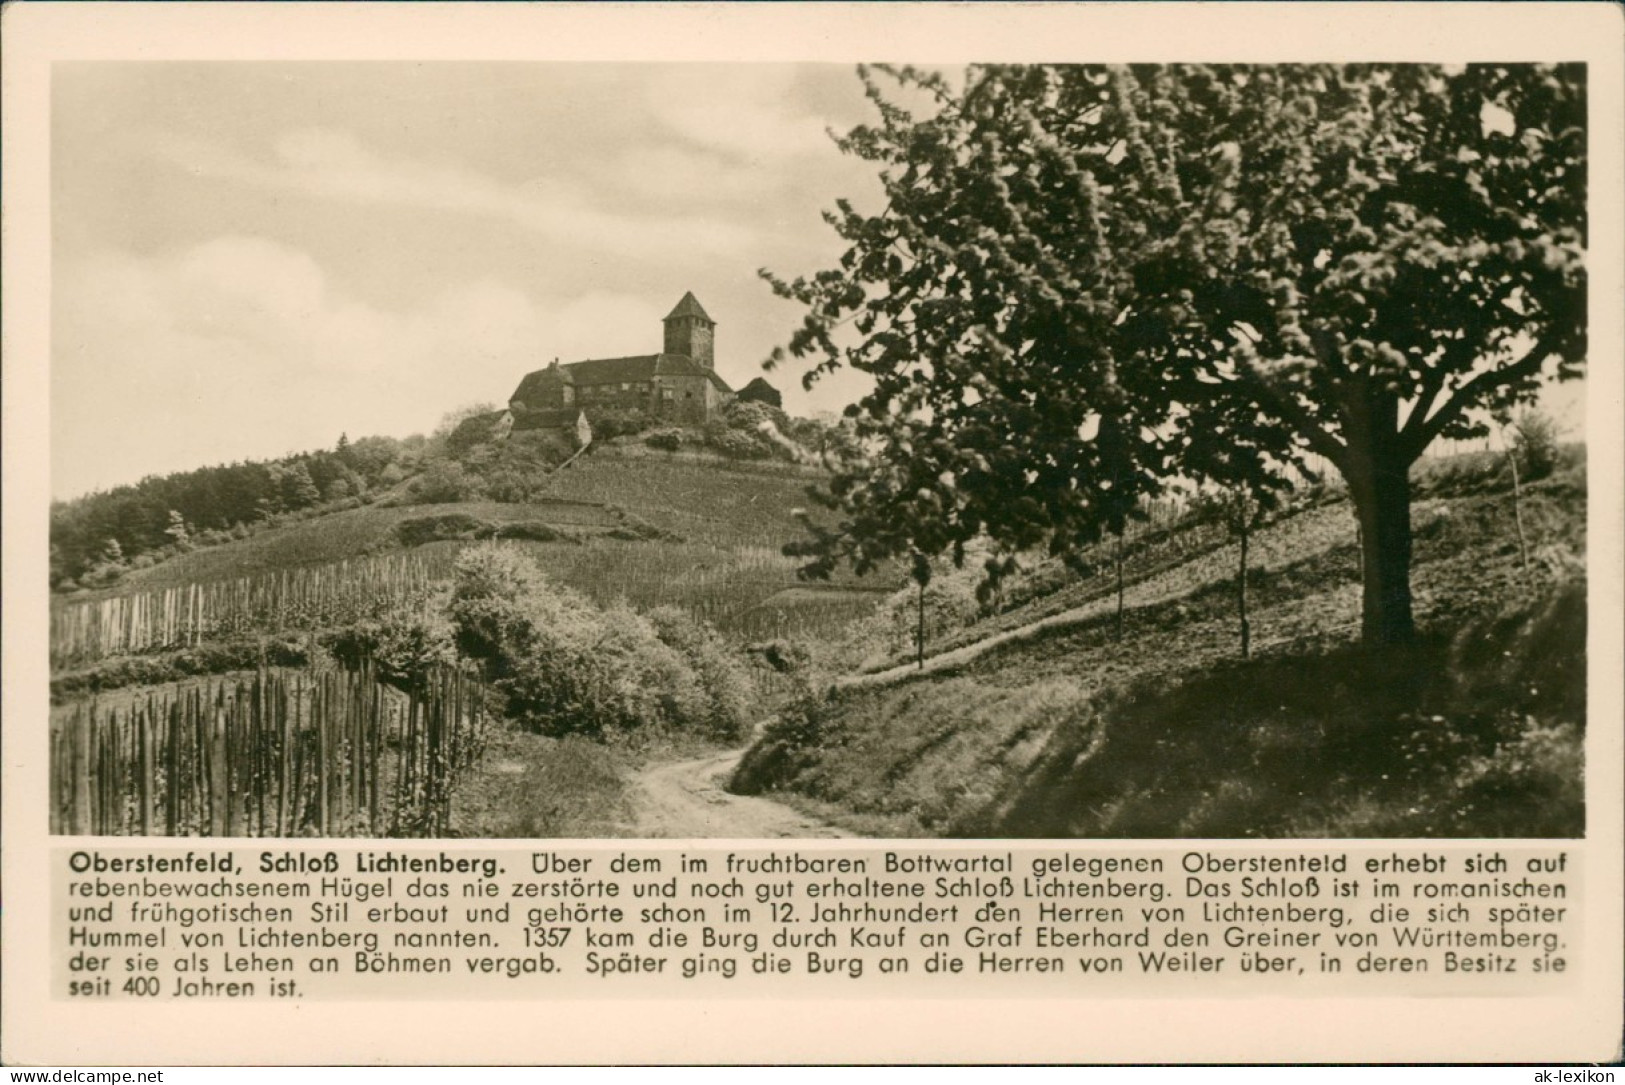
x: 517, y: 469
x: 745, y: 414
x: 451, y: 525
x: 565, y: 666
x: 180, y: 535
x: 665, y: 440
x: 723, y: 705
x: 1536, y: 444
x: 141, y: 517
x: 215, y: 657
x: 950, y: 603
x: 1087, y: 280
x: 472, y: 430
x: 406, y: 644
x: 444, y: 482
x: 1476, y: 730
x: 470, y: 418
x: 738, y: 445
x: 620, y: 422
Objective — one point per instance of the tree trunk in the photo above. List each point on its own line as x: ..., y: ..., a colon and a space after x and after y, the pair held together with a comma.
x: 1381, y: 487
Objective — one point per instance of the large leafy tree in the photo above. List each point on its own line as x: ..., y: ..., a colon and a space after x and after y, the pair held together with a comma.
x: 1087, y: 280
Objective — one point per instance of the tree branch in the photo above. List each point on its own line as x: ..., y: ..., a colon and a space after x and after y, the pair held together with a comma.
x: 1457, y: 355
x: 1320, y: 441
x: 1474, y: 390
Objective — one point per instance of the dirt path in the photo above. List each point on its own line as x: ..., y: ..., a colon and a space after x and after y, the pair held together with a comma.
x: 686, y: 799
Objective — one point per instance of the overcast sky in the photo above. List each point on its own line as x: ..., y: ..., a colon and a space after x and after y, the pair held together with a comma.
x: 250, y: 259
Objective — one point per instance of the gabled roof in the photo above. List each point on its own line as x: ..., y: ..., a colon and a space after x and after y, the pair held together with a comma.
x: 678, y: 365
x: 638, y: 367
x: 596, y: 371
x: 535, y: 385
x: 690, y: 306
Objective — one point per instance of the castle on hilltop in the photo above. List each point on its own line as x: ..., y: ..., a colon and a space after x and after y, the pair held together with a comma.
x: 679, y: 384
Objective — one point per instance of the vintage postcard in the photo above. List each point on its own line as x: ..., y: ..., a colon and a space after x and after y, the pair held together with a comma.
x: 854, y: 532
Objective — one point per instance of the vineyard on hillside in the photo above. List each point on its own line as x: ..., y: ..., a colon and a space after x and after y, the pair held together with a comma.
x: 296, y: 600
x: 317, y: 753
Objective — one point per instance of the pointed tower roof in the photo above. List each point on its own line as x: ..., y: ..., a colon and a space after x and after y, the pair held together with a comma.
x: 689, y: 306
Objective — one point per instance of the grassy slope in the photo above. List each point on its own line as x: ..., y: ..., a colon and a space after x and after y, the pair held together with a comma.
x: 1168, y: 734
x: 732, y: 519
x: 335, y: 536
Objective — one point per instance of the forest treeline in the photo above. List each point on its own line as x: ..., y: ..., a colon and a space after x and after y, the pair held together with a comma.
x: 469, y: 457
x: 96, y: 537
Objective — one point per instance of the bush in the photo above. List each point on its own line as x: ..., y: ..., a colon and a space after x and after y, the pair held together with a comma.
x: 405, y: 643
x: 665, y: 440
x: 890, y: 633
x: 563, y: 666
x: 749, y: 415
x: 218, y: 657
x: 724, y: 710
x: 444, y: 483
x: 533, y: 531
x: 740, y: 445
x: 626, y: 422
x: 1536, y: 444
x: 451, y: 525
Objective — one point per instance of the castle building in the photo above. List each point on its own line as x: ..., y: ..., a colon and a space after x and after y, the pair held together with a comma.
x: 679, y: 384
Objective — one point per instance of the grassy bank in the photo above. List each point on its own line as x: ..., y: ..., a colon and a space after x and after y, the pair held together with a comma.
x: 1475, y: 730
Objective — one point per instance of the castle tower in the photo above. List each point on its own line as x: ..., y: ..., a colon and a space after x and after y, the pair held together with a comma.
x: 692, y: 332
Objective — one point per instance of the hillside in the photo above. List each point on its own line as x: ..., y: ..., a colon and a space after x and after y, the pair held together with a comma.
x: 1054, y: 728
x: 1030, y: 716
x: 697, y: 532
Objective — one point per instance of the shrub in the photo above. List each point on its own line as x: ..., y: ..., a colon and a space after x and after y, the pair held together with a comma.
x: 102, y: 574
x: 405, y: 643
x: 533, y: 531
x: 665, y: 440
x: 739, y: 445
x: 218, y: 657
x: 890, y: 633
x: 1535, y: 444
x: 724, y: 710
x: 626, y: 422
x: 451, y: 525
x: 563, y: 666
x: 745, y: 414
x: 444, y: 483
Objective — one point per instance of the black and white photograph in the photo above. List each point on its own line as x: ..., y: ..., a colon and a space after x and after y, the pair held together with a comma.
x: 538, y: 450
x: 848, y: 533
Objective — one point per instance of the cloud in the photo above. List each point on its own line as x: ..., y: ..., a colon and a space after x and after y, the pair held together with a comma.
x: 747, y: 111
x: 333, y: 164
x: 242, y: 347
